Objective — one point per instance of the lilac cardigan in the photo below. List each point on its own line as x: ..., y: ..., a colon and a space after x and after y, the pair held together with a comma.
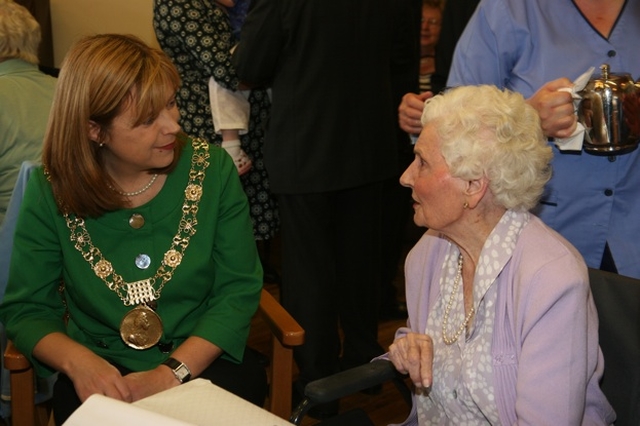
x: 546, y: 358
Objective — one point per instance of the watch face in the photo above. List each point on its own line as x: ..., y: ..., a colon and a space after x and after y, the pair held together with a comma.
x: 182, y: 372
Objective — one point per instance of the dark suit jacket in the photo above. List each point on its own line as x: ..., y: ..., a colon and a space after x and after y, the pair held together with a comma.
x: 329, y: 63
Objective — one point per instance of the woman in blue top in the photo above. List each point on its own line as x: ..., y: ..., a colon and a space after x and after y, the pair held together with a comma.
x: 536, y: 48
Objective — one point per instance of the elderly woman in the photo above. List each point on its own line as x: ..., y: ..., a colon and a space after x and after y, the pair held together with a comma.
x: 25, y: 96
x: 502, y: 326
x: 134, y: 266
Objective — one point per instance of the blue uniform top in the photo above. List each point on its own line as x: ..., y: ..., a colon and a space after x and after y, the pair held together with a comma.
x: 523, y: 44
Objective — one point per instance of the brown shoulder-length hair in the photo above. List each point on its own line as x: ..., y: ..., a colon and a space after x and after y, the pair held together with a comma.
x: 101, y: 77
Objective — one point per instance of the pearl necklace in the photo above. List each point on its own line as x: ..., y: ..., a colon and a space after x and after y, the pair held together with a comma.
x: 139, y: 191
x: 445, y: 319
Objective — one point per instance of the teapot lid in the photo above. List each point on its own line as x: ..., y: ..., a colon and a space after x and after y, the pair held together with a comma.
x: 608, y: 77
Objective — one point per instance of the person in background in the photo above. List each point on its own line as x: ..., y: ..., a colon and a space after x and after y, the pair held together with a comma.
x: 197, y: 36
x: 502, y: 325
x: 329, y: 64
x: 429, y: 35
x: 538, y: 48
x: 134, y: 267
x: 455, y: 16
x: 41, y: 11
x: 26, y: 95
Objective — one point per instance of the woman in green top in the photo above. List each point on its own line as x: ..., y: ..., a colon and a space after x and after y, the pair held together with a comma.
x: 134, y: 266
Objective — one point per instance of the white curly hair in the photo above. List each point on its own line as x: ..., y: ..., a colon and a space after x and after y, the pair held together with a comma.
x: 485, y: 131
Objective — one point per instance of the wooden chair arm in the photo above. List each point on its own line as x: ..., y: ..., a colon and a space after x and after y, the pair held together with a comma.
x: 286, y: 333
x: 23, y: 409
x: 14, y: 360
x: 281, y: 323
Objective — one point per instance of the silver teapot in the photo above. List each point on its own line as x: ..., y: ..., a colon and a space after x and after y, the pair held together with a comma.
x: 608, y: 129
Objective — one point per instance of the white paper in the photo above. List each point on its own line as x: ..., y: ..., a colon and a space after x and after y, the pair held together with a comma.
x: 574, y: 142
x: 99, y: 410
x: 196, y: 403
x: 204, y: 404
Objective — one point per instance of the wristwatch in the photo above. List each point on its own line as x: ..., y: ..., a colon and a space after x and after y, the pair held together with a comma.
x: 180, y: 370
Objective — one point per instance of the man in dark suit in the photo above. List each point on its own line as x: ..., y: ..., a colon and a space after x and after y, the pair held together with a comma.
x: 330, y: 143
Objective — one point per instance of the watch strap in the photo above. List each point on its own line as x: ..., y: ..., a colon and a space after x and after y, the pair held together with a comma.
x: 179, y: 369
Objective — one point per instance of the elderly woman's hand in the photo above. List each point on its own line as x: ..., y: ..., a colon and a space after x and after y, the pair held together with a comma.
x: 555, y: 108
x: 410, y: 112
x: 413, y: 354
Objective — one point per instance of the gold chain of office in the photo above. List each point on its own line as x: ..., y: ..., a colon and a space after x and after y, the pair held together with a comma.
x: 172, y: 258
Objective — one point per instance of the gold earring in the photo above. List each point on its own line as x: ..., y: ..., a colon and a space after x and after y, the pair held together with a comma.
x: 465, y: 205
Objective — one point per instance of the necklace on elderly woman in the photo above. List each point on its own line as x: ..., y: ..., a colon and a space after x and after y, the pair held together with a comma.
x: 141, y: 327
x: 139, y: 191
x: 447, y: 310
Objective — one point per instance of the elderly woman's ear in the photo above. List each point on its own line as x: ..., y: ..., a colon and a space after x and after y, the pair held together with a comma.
x: 475, y: 191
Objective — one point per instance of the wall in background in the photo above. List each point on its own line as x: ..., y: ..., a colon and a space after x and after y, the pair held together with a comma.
x: 71, y: 19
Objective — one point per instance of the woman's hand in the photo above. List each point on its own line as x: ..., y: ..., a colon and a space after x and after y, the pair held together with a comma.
x: 146, y: 383
x: 410, y: 112
x: 195, y: 352
x: 89, y: 372
x: 95, y: 375
x: 413, y: 354
x: 555, y: 108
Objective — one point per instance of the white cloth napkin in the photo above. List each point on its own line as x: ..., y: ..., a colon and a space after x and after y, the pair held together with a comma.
x: 229, y: 109
x: 574, y: 142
